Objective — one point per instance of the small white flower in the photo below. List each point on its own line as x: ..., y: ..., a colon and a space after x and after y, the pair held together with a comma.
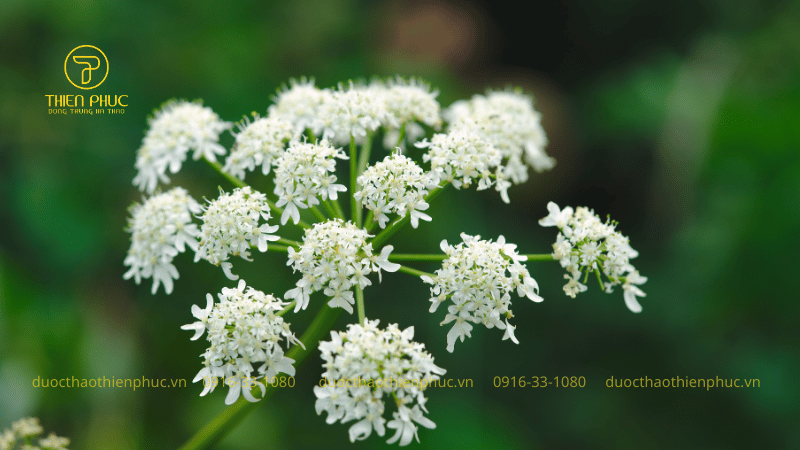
x: 304, y: 174
x: 365, y: 364
x: 240, y: 383
x: 231, y: 227
x: 178, y: 127
x: 508, y: 121
x: 7, y: 440
x: 404, y: 424
x: 258, y: 143
x: 160, y: 229
x: 586, y: 244
x: 27, y: 427
x: 243, y: 329
x: 299, y: 104
x: 409, y: 101
x: 202, y: 316
x: 395, y: 185
x: 351, y: 111
x: 557, y: 217
x: 462, y: 157
x: 573, y: 286
x: 509, y: 334
x: 335, y: 257
x: 53, y: 442
x: 631, y: 291
x: 25, y: 430
x: 478, y: 277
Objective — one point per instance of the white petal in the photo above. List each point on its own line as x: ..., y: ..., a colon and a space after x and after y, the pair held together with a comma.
x: 226, y: 267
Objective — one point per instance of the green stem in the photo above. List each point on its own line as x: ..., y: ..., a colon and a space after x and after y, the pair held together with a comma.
x: 369, y: 222
x: 354, y: 206
x: 338, y: 208
x: 402, y: 135
x: 329, y: 208
x: 363, y: 162
x: 278, y: 248
x: 318, y: 214
x: 540, y: 257
x: 310, y: 136
x: 416, y: 257
x: 289, y: 242
x: 224, y: 423
x: 241, y: 184
x: 415, y: 272
x: 218, y: 167
x: 397, y: 224
x: 287, y: 308
x: 599, y: 279
x: 363, y: 158
x: 360, y: 304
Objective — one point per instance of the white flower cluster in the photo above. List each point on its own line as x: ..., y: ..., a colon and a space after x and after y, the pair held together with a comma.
x: 230, y: 227
x: 395, y: 185
x: 178, y: 127
x: 478, y: 277
x: 258, y: 143
x: 244, y: 328
x: 508, y: 121
x: 303, y: 173
x: 352, y: 110
x: 300, y: 104
x: 24, y: 430
x: 365, y: 364
x: 461, y: 157
x: 585, y: 244
x: 356, y: 108
x: 335, y: 256
x: 407, y: 102
x: 160, y: 229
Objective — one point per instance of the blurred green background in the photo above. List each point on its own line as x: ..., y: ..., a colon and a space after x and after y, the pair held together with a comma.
x: 681, y: 121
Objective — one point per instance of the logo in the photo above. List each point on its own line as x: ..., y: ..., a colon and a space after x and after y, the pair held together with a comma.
x: 86, y: 67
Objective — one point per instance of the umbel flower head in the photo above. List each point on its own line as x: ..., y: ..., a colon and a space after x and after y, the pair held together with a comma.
x: 352, y: 110
x: 462, y: 157
x: 365, y: 364
x: 478, y: 277
x: 178, y: 127
x: 586, y: 244
x: 258, y: 143
x: 335, y: 257
x: 408, y: 101
x: 299, y: 104
x: 230, y: 227
x: 508, y: 121
x: 160, y: 229
x: 23, y: 431
x: 245, y: 328
x: 303, y: 175
x: 395, y: 185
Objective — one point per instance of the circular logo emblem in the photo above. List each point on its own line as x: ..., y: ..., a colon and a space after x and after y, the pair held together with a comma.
x: 86, y: 67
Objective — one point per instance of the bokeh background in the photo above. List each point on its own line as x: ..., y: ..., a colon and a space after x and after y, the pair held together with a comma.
x: 681, y: 121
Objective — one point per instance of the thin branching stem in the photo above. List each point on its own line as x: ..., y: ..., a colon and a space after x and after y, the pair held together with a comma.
x: 355, y: 207
x: 415, y: 257
x: 360, y: 304
x: 318, y: 214
x: 540, y: 257
x: 369, y: 222
x: 414, y: 272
